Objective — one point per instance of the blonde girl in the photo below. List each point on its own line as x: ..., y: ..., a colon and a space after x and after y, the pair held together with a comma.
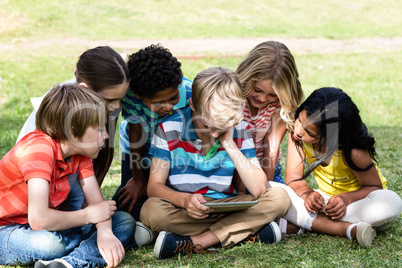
x: 271, y: 85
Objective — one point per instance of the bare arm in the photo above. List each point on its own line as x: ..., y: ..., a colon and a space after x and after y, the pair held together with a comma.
x: 41, y: 217
x: 136, y: 187
x: 272, y: 142
x: 157, y: 188
x: 98, y: 212
x: 249, y: 170
x: 369, y: 181
x: 314, y: 202
x: 109, y: 245
x: 295, y: 169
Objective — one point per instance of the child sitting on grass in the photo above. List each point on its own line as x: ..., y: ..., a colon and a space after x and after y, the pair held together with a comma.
x: 273, y: 92
x: 352, y: 200
x: 36, y: 177
x: 196, y: 152
x: 157, y: 87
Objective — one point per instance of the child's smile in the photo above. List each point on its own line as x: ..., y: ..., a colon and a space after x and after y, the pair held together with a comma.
x: 262, y: 95
x: 163, y: 101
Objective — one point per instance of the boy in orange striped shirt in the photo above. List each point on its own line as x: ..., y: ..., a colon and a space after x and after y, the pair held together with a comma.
x: 36, y: 177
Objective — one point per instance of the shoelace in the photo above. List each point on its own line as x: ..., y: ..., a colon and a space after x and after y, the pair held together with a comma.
x: 253, y: 238
x: 187, y: 246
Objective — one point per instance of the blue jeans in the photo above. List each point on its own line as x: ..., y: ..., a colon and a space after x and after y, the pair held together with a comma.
x: 77, y: 197
x: 278, y: 175
x: 126, y: 175
x: 20, y: 245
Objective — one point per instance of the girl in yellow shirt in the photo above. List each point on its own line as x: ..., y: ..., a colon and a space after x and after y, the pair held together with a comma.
x: 352, y: 200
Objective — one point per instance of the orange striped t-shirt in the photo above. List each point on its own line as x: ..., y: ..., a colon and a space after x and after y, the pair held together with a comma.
x: 36, y: 156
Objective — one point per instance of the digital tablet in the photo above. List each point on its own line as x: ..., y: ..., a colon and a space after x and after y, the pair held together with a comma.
x: 230, y: 206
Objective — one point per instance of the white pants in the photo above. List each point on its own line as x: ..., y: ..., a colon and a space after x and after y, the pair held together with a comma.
x: 379, y: 208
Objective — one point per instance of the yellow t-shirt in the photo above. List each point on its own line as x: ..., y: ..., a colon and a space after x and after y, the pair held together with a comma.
x: 336, y: 178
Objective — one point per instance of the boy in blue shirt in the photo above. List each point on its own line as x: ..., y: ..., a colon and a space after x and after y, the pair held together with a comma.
x: 157, y: 87
x: 198, y: 154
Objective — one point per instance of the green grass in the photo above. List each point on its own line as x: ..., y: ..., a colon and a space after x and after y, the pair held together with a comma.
x: 103, y: 19
x: 307, y: 250
x: 372, y: 79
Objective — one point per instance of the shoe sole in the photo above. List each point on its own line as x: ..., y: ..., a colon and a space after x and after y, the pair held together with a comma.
x: 56, y: 263
x: 366, y: 236
x: 41, y: 264
x: 160, y: 241
x: 277, y: 232
x: 143, y: 236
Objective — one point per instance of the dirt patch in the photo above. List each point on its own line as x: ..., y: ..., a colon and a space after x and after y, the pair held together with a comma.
x: 226, y: 46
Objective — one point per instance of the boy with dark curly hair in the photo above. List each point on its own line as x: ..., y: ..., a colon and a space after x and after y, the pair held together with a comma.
x: 157, y: 88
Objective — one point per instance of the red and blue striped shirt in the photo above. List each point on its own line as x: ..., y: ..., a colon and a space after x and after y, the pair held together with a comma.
x: 176, y: 141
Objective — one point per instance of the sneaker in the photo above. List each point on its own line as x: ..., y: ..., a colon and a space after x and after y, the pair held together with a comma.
x: 270, y: 234
x: 57, y: 263
x: 143, y: 236
x: 365, y: 234
x: 169, y: 244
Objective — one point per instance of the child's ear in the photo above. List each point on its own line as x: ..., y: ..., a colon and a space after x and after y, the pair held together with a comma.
x: 190, y: 102
x: 71, y: 136
x: 82, y: 84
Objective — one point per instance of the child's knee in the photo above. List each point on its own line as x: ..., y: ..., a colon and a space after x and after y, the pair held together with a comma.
x: 150, y: 211
x: 385, y: 204
x: 123, y: 220
x: 276, y: 199
x: 280, y: 196
x: 50, y: 245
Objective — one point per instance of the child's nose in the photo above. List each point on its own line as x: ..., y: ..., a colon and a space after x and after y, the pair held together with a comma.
x: 214, y: 134
x: 298, y: 130
x: 168, y: 106
x: 114, y: 106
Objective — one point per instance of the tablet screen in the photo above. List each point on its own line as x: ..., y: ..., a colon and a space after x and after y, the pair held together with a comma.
x: 230, y: 206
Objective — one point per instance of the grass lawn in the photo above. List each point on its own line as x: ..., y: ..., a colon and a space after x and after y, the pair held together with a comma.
x: 33, y: 59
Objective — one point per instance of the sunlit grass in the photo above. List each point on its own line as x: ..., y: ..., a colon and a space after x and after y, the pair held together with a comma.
x: 372, y: 79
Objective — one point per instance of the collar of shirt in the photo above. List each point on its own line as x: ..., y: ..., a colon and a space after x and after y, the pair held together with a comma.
x: 64, y: 166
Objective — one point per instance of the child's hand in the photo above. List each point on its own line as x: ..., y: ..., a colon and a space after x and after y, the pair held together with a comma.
x: 314, y: 202
x: 336, y: 207
x: 227, y: 138
x: 194, y: 207
x: 131, y: 192
x: 100, y: 211
x: 110, y: 248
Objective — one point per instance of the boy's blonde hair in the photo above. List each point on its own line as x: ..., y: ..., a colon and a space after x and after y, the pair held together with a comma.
x: 70, y: 109
x: 272, y: 60
x: 217, y: 96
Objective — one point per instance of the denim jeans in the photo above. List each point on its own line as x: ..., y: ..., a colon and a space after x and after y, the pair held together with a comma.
x: 20, y: 245
x: 278, y: 175
x: 126, y: 175
x: 77, y: 197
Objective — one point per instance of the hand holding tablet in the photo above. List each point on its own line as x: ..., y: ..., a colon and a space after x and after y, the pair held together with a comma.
x: 230, y: 206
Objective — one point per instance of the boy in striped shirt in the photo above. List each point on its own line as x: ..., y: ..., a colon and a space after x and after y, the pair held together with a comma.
x: 35, y: 180
x: 198, y: 154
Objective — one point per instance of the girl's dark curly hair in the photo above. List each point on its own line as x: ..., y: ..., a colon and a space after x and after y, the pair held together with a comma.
x: 153, y: 69
x: 340, y: 124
